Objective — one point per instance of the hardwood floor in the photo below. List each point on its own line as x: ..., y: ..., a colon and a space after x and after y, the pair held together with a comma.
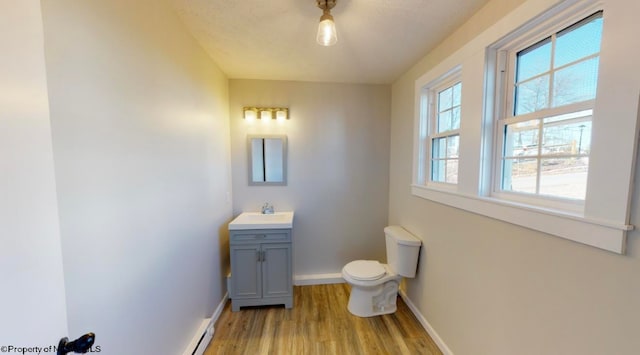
x: 319, y: 323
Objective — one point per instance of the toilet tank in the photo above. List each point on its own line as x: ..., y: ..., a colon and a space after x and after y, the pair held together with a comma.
x: 402, y: 250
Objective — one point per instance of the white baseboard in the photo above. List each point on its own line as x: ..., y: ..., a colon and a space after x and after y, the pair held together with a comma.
x: 216, y: 314
x: 425, y: 324
x: 205, y: 332
x: 318, y: 279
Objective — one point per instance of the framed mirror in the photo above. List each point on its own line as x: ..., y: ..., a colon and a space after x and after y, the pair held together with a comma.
x: 267, y: 160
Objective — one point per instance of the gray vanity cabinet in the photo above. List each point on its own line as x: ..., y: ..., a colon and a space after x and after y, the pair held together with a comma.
x: 261, y: 272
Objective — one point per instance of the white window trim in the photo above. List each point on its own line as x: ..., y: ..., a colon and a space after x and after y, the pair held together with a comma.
x: 601, y: 234
x: 604, y: 222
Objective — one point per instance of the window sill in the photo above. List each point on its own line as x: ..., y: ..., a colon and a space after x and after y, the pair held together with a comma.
x: 610, y: 236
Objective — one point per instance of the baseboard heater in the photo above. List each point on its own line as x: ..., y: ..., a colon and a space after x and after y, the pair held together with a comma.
x: 201, y: 339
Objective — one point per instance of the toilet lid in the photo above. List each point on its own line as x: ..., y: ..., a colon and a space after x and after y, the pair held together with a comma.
x: 365, y: 270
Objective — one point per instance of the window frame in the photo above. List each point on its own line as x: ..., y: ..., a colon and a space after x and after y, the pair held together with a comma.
x: 433, y: 116
x: 429, y: 105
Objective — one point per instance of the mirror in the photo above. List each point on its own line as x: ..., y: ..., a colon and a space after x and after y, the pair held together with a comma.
x: 267, y: 160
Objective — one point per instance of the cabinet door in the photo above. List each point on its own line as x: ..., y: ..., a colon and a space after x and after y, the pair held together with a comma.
x: 276, y: 270
x: 245, y: 271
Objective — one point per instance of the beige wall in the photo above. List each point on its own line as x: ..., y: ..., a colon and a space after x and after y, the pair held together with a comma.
x: 338, y: 139
x: 489, y: 287
x: 139, y: 117
x: 32, y: 306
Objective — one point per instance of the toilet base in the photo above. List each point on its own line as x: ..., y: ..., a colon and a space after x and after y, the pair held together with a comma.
x: 373, y: 301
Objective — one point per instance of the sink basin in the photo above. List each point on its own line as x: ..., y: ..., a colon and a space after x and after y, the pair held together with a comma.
x: 257, y: 220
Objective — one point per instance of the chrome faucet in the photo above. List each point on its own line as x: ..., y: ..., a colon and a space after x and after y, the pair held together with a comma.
x: 267, y: 209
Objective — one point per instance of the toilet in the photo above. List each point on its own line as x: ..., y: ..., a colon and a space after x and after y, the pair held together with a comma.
x: 374, y: 286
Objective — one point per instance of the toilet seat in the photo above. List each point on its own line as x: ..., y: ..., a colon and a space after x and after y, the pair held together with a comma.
x: 365, y: 270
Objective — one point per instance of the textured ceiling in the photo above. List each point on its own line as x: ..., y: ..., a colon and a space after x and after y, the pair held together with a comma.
x: 275, y: 39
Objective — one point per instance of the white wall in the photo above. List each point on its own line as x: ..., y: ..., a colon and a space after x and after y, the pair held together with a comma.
x: 338, y: 140
x: 139, y: 116
x: 489, y: 287
x: 32, y: 304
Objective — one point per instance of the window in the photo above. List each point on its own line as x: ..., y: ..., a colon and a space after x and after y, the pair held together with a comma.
x: 545, y: 128
x: 445, y: 136
x: 541, y: 147
x: 440, y: 112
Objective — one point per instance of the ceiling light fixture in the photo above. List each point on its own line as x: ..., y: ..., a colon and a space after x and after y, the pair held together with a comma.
x: 327, y: 35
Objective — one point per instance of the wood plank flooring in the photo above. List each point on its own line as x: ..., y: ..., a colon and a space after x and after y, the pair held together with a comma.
x: 319, y: 323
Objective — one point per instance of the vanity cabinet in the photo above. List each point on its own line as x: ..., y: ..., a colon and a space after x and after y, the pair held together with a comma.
x: 261, y: 272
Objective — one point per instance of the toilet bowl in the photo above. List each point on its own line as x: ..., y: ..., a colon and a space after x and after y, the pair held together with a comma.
x: 374, y: 286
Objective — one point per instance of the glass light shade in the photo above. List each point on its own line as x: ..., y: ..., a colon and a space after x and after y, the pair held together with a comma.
x: 265, y: 115
x: 250, y: 115
x: 281, y: 115
x: 327, y: 35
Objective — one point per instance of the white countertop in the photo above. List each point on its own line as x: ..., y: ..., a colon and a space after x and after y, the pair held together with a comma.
x: 257, y: 220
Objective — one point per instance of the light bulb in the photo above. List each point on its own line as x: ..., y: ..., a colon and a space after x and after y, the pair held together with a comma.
x: 327, y: 35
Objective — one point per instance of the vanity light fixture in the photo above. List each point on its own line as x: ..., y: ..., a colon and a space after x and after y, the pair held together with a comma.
x: 327, y: 35
x: 265, y: 113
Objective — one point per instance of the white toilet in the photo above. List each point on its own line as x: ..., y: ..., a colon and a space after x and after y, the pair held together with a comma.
x: 374, y: 286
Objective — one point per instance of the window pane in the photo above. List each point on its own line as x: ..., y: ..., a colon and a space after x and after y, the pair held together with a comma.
x: 445, y: 99
x: 532, y: 95
x: 583, y: 115
x: 521, y: 139
x: 564, y: 177
x: 452, y: 171
x: 576, y: 83
x: 444, y: 121
x: 457, y: 94
x: 438, y: 170
x: 566, y: 138
x: 533, y: 60
x: 519, y: 175
x: 453, y: 146
x: 439, y: 148
x: 455, y: 118
x: 578, y: 41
